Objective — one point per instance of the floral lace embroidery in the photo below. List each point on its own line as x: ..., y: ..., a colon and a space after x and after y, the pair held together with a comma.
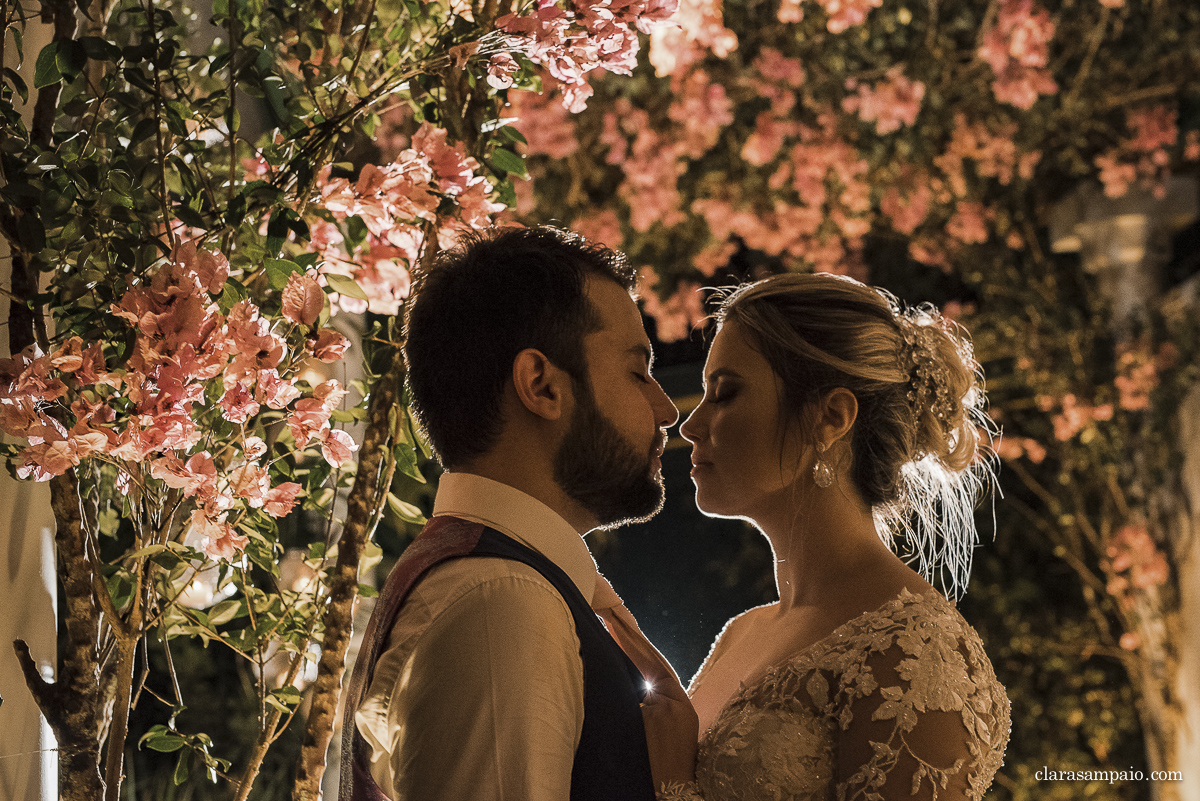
x: 881, y: 688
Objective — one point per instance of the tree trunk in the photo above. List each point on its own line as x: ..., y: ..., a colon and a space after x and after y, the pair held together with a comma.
x: 362, y: 504
x: 72, y: 704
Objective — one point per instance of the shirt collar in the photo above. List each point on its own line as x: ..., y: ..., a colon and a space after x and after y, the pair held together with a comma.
x: 522, y: 517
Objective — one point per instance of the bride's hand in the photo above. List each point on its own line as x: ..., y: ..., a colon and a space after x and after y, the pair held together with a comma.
x: 672, y: 732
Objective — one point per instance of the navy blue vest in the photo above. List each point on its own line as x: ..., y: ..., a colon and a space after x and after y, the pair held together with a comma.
x: 611, y: 762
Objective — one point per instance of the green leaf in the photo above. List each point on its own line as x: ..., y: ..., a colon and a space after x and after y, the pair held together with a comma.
x: 406, y: 461
x: 46, y: 72
x: 71, y: 58
x: 18, y: 85
x: 100, y: 49
x: 162, y: 739
x: 149, y: 550
x: 405, y: 511
x: 367, y: 591
x: 182, y: 768
x: 226, y: 611
x: 508, y: 161
x: 278, y: 271
x: 345, y: 286
x: 230, y: 295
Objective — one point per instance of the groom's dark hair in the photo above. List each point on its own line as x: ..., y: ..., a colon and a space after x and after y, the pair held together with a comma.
x: 496, y: 293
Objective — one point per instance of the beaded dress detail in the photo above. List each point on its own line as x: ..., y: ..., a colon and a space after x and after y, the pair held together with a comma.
x: 900, y: 702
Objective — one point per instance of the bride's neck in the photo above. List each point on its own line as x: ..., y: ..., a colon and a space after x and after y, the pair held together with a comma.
x: 820, y: 544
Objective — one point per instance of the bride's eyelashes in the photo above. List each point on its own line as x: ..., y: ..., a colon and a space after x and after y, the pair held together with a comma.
x: 724, y: 396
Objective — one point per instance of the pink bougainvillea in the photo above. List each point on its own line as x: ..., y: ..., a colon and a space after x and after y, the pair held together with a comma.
x: 572, y: 43
x: 397, y: 204
x: 1144, y: 156
x: 891, y: 103
x: 1017, y: 49
x: 696, y: 29
x: 676, y: 316
x: 1135, y: 563
x: 65, y: 403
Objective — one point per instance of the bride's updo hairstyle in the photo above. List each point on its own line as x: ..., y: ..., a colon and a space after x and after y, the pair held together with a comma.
x: 918, y: 452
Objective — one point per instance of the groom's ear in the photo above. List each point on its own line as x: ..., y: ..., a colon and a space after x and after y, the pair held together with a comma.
x: 541, y: 387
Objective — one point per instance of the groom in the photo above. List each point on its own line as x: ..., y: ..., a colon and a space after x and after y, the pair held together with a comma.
x: 490, y: 677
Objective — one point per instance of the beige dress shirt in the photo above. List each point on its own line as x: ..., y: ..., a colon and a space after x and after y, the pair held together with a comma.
x: 479, y: 694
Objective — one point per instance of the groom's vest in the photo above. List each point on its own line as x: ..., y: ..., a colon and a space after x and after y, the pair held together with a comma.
x: 611, y: 762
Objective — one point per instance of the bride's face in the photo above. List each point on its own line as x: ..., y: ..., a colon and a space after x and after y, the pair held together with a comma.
x: 743, y: 465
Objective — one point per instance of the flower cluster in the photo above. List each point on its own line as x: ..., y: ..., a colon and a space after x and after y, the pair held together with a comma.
x: 679, y: 314
x: 650, y: 164
x: 546, y: 125
x: 991, y: 154
x: 1017, y: 49
x: 842, y: 13
x: 891, y: 103
x: 1143, y: 157
x: 1134, y: 563
x: 397, y: 203
x: 1074, y: 415
x: 1138, y: 369
x: 698, y: 28
x: 570, y: 44
x: 189, y: 367
x: 1010, y: 448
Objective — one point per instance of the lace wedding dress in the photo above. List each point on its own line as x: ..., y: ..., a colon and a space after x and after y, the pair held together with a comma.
x: 900, y: 702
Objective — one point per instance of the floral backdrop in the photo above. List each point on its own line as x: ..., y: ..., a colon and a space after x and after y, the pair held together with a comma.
x: 205, y: 228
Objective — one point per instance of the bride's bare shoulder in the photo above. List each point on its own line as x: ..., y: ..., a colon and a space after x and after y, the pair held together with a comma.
x: 731, y: 631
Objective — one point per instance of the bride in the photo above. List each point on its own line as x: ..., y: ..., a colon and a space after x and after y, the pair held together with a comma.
x: 843, y: 428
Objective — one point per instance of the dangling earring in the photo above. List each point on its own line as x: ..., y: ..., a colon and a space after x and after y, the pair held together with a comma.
x: 822, y: 472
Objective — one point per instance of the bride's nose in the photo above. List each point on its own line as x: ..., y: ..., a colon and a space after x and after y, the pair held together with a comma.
x: 695, y: 426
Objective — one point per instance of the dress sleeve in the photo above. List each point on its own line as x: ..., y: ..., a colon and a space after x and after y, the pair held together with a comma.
x: 920, y: 718
x: 490, y: 706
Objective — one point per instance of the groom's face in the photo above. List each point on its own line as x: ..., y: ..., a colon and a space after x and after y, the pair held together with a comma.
x: 609, y: 461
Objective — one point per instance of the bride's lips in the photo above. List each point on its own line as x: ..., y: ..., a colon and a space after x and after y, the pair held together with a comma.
x: 699, y: 467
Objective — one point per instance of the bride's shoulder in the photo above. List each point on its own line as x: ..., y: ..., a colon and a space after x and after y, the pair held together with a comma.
x: 730, y: 633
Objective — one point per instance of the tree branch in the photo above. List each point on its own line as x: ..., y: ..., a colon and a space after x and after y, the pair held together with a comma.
x: 339, y: 614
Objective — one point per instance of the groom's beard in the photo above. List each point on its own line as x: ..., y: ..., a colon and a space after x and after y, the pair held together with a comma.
x: 598, y: 469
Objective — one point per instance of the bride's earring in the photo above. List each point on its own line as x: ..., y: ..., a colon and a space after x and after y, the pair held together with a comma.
x: 822, y: 472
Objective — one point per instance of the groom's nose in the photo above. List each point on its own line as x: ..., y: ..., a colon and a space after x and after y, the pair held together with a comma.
x: 665, y: 412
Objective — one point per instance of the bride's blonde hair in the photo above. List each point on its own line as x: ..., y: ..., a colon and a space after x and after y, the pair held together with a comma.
x: 920, y: 446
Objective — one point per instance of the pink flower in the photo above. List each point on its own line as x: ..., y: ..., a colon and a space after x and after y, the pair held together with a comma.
x: 1130, y: 640
x: 237, y: 404
x: 253, y: 447
x: 250, y: 481
x: 198, y: 472
x: 309, y: 418
x: 906, y: 213
x: 281, y: 499
x: 546, y: 125
x: 774, y: 66
x: 69, y: 357
x: 891, y: 103
x: 501, y: 69
x: 1017, y: 49
x: 218, y: 539
x: 328, y: 345
x: 303, y: 299
x: 698, y: 28
x: 968, y: 225
x: 1191, y: 148
x: 275, y: 391
x: 337, y: 446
